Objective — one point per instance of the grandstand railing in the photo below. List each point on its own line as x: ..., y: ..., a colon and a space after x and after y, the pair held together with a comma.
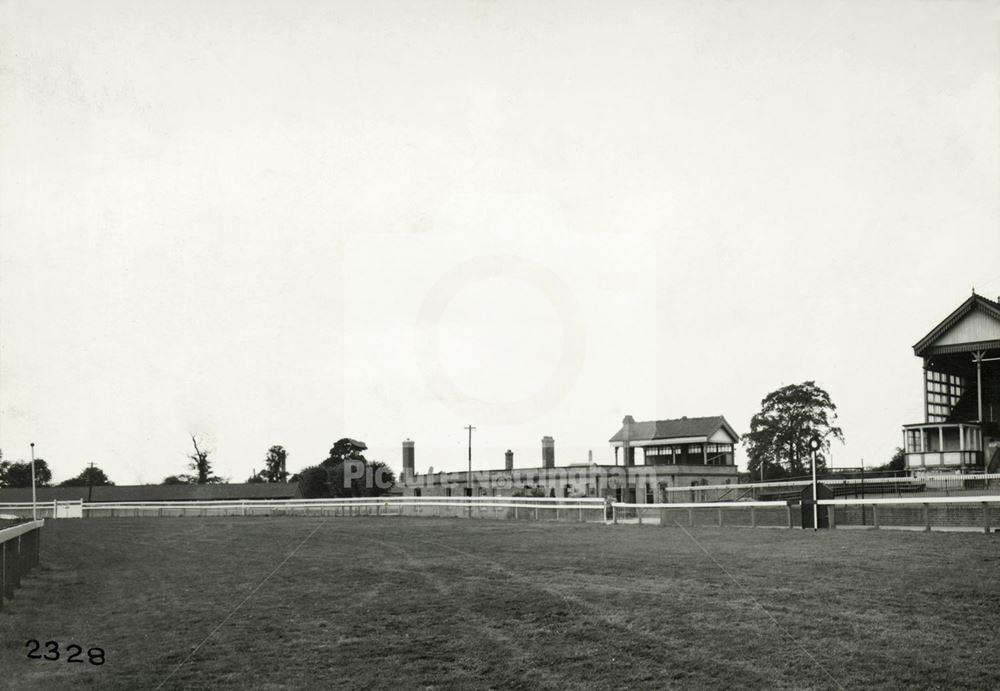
x: 956, y: 512
x: 19, y: 550
x: 966, y: 512
x: 947, y: 484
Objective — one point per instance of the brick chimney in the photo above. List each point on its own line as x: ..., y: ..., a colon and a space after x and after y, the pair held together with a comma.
x: 408, y: 458
x: 548, y: 452
x: 508, y: 460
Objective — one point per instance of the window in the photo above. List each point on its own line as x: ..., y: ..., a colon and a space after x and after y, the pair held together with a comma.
x: 694, y: 448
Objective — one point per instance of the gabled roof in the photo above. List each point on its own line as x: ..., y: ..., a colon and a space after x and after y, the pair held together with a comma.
x: 675, y: 429
x: 115, y: 493
x: 974, y: 302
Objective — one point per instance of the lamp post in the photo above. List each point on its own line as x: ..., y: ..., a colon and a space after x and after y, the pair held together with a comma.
x: 34, y: 510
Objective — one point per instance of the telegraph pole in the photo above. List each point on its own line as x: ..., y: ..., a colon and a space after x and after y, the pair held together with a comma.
x: 470, y: 428
x: 90, y: 482
x: 34, y: 510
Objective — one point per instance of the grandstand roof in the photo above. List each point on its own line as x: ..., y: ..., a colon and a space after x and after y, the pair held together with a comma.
x: 684, y: 427
x: 979, y: 335
x: 236, y: 491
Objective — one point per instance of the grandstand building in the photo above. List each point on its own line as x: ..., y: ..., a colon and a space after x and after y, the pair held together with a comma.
x: 961, y: 427
x: 686, y: 452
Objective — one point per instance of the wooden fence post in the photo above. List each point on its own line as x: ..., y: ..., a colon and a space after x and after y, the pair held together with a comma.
x: 875, y: 516
x: 536, y: 513
x: 690, y: 518
x: 638, y: 514
x: 832, y: 516
x: 753, y: 517
x: 720, y: 516
x: 788, y: 514
x: 986, y: 518
x: 927, y: 518
x: 614, y: 514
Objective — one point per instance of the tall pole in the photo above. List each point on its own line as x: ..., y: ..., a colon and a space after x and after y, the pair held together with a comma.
x: 470, y: 428
x: 815, y: 498
x: 90, y: 482
x: 34, y: 510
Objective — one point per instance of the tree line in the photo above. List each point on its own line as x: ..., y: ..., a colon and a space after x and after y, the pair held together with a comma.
x: 344, y: 473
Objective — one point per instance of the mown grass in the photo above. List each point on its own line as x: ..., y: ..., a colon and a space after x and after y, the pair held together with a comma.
x: 446, y: 603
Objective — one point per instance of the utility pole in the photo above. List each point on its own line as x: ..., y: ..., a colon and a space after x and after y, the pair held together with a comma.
x: 90, y: 482
x: 470, y: 428
x: 34, y: 510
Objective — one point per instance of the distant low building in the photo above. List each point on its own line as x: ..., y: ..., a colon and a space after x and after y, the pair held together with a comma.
x: 155, y: 493
x: 686, y: 452
x: 961, y: 427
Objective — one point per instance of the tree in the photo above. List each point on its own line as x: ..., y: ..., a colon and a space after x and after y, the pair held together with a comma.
x: 346, y: 473
x: 788, y: 419
x: 898, y: 461
x: 19, y: 474
x: 275, y: 464
x: 91, y: 476
x: 202, y: 466
x: 179, y: 480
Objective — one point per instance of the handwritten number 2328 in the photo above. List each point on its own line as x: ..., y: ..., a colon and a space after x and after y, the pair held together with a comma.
x: 95, y: 655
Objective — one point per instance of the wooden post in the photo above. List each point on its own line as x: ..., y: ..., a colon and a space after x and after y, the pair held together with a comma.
x: 875, y: 516
x: 986, y: 518
x: 927, y: 518
x: 580, y: 519
x: 753, y: 517
x: 638, y: 514
x: 614, y: 514
x: 788, y: 514
x: 720, y: 516
x: 536, y: 512
x: 830, y: 514
x: 690, y: 518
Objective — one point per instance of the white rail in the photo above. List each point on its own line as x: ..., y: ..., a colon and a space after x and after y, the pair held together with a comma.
x: 18, y: 530
x: 912, y: 501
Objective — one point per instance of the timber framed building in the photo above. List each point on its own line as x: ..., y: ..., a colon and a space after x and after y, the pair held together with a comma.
x: 961, y: 427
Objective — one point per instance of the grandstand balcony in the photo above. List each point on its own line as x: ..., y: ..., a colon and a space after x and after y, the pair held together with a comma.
x: 944, y: 446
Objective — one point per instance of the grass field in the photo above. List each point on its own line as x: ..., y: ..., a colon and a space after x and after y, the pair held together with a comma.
x: 439, y: 603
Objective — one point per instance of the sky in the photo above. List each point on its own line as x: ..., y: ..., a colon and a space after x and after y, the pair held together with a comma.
x: 290, y: 222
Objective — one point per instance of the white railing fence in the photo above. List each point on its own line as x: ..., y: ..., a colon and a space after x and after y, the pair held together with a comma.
x: 500, y: 508
x: 964, y: 512
x: 913, y: 512
x: 19, y: 549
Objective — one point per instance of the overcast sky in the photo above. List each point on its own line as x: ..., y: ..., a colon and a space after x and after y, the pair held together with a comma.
x: 290, y: 222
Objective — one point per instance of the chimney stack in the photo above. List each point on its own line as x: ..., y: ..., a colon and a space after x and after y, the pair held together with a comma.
x: 548, y: 452
x: 508, y: 460
x: 408, y: 457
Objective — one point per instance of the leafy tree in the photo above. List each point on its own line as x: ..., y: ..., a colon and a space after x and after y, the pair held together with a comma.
x: 898, y: 461
x: 19, y: 474
x: 90, y: 477
x: 346, y: 473
x: 788, y: 419
x: 275, y: 464
x: 202, y: 466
